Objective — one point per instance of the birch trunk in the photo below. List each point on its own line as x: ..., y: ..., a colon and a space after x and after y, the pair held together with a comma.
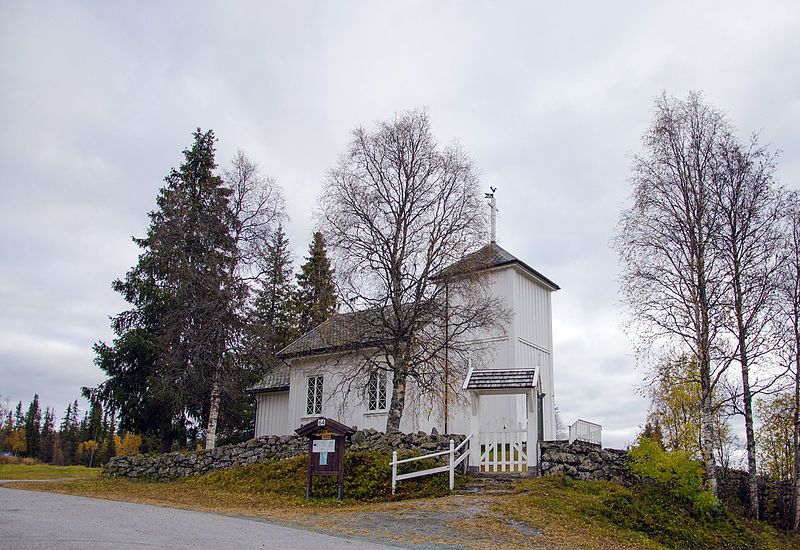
x: 796, y: 442
x: 213, y: 411
x: 747, y: 396
x: 752, y: 479
x: 398, y: 399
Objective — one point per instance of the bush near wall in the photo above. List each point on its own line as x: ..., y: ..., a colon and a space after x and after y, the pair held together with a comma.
x: 587, y: 461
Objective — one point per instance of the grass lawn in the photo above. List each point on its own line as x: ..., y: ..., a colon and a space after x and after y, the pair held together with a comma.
x: 45, y: 471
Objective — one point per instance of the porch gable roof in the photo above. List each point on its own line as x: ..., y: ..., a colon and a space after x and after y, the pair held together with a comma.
x: 501, y: 379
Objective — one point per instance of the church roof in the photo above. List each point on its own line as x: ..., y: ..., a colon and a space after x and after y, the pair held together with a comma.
x: 490, y: 256
x: 275, y: 380
x: 500, y: 379
x: 341, y: 332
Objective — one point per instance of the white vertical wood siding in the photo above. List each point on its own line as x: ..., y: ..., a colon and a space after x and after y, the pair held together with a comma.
x: 272, y: 414
x: 527, y: 342
x: 533, y: 320
x: 417, y: 415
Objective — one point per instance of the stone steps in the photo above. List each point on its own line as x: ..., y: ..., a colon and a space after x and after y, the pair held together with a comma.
x: 491, y: 484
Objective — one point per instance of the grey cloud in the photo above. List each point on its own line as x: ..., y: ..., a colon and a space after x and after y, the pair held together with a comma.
x: 97, y: 101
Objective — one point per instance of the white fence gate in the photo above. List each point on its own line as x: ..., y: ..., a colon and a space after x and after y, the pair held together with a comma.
x: 504, y: 451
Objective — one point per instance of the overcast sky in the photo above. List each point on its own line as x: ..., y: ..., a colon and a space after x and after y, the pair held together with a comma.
x: 97, y: 101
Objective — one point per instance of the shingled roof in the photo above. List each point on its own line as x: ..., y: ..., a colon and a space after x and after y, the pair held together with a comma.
x: 490, y: 256
x: 500, y: 379
x: 275, y: 380
x: 343, y: 331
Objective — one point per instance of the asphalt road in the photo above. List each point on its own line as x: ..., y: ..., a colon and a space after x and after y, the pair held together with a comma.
x: 31, y: 519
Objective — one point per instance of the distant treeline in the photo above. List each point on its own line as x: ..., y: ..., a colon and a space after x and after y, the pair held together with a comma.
x: 89, y: 440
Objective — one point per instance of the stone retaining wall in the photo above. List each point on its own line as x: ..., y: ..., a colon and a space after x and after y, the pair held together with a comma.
x: 776, y: 505
x: 184, y: 464
x: 580, y: 460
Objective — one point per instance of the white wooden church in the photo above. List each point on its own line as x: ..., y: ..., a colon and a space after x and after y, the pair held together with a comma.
x: 508, y: 401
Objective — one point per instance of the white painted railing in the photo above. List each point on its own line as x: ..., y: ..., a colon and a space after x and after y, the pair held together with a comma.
x: 449, y: 467
x: 583, y: 430
x: 504, y: 451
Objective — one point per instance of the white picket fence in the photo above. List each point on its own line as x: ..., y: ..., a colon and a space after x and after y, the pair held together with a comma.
x: 449, y: 467
x: 583, y: 430
x: 504, y: 451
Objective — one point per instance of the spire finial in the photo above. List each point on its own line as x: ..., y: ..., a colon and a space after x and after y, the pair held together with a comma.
x: 493, y: 209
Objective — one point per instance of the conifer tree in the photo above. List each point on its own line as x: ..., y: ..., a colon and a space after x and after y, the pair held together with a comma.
x: 48, y: 431
x: 33, y: 427
x: 166, y: 364
x: 274, y: 322
x: 316, y: 293
x: 19, y: 417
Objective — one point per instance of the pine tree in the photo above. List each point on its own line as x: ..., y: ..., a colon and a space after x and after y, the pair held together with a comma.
x: 33, y: 427
x: 316, y: 294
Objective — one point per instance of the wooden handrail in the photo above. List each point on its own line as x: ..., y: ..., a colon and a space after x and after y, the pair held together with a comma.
x: 451, y: 466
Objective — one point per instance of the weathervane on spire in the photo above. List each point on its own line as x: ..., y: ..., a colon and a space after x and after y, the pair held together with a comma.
x: 493, y: 208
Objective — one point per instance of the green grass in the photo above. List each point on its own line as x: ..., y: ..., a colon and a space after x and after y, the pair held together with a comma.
x: 644, y: 515
x: 367, y: 478
x: 45, y: 471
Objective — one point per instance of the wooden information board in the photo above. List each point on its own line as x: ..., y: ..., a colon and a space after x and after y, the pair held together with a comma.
x: 326, y: 443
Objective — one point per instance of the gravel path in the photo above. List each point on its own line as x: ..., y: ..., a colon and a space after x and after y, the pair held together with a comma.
x: 455, y: 522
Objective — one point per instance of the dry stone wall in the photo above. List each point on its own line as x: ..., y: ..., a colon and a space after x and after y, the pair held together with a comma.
x: 581, y: 460
x: 263, y: 449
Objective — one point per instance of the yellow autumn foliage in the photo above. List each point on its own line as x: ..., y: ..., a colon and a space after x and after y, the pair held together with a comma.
x: 129, y: 444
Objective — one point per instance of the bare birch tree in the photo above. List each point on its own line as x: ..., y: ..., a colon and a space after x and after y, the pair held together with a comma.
x: 790, y: 304
x: 396, y: 211
x: 672, y: 277
x: 749, y: 242
x: 256, y: 204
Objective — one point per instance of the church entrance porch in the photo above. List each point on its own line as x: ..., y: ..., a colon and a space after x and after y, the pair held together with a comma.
x: 503, y: 442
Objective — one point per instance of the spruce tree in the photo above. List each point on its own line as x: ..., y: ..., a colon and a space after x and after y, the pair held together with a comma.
x: 48, y: 432
x: 19, y: 417
x: 166, y: 364
x: 273, y: 320
x: 33, y: 427
x: 316, y: 294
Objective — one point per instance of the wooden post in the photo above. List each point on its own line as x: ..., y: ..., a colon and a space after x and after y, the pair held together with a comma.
x: 452, y: 468
x: 474, y: 426
x: 308, y: 474
x: 394, y: 471
x: 340, y: 455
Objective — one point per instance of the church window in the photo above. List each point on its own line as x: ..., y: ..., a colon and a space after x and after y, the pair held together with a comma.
x: 376, y: 391
x: 314, y: 395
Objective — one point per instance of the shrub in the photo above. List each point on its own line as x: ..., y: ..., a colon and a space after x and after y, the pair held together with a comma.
x: 130, y: 444
x: 674, y: 470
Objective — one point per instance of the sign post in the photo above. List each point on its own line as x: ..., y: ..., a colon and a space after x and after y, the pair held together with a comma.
x: 326, y: 442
